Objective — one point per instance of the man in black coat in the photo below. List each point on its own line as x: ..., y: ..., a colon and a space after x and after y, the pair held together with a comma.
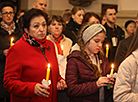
x: 114, y: 33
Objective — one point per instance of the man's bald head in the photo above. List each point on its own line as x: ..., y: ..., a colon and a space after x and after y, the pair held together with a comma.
x: 40, y: 4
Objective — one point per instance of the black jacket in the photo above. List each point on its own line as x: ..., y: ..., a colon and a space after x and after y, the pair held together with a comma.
x: 5, y: 44
x: 108, y: 40
x: 71, y: 30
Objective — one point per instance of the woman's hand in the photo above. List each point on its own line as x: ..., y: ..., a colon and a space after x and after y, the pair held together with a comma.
x: 61, y: 85
x: 39, y: 90
x: 5, y: 52
x: 103, y: 81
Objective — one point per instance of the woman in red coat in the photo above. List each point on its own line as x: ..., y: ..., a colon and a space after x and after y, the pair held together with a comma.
x: 87, y: 68
x: 27, y: 60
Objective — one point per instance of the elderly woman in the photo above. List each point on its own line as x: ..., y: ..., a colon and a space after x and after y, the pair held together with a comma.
x: 28, y: 59
x: 87, y: 68
x: 56, y: 25
x: 8, y: 29
x: 74, y: 24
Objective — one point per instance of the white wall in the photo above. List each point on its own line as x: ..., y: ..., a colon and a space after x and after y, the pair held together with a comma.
x: 64, y: 4
x: 60, y: 5
x: 128, y: 4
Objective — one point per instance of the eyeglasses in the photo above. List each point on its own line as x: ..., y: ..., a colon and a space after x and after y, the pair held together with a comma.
x: 8, y: 13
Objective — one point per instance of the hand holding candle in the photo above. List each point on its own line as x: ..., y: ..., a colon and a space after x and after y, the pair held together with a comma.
x: 107, y: 49
x: 111, y: 73
x: 11, y: 42
x: 61, y: 49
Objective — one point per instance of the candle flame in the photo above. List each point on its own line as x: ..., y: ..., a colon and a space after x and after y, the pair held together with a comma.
x: 107, y: 46
x: 112, y: 65
x: 48, y: 65
x: 12, y: 39
x: 62, y: 47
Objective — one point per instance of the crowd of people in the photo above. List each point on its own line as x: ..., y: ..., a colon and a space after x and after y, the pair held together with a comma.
x: 64, y: 58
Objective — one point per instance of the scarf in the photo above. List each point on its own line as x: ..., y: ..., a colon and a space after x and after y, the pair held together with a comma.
x: 9, y: 28
x: 36, y: 42
x: 57, y: 41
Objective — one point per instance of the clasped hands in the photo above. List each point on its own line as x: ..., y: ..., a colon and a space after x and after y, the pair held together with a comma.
x: 39, y: 88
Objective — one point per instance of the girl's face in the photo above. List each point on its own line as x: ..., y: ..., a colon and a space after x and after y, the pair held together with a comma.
x: 95, y: 44
x: 56, y: 28
x: 93, y: 20
x: 37, y: 28
x: 131, y: 28
x: 78, y: 17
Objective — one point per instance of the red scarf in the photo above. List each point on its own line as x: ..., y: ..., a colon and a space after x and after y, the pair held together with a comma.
x: 57, y: 41
x: 32, y: 40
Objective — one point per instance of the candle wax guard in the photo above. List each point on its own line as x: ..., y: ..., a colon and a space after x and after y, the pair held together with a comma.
x: 44, y: 82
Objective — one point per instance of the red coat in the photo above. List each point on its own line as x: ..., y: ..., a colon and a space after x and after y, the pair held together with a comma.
x: 25, y: 67
x: 81, y: 79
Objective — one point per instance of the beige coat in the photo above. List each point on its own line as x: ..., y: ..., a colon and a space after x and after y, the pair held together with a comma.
x: 126, y: 85
x: 66, y: 42
x: 62, y: 60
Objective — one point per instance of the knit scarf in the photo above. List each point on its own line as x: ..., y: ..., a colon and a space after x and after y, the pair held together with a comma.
x: 9, y: 28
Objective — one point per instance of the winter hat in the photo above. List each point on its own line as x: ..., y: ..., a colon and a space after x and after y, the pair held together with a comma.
x: 91, y: 31
x: 128, y: 22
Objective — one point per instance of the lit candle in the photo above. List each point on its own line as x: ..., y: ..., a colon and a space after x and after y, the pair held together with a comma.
x: 107, y: 49
x: 111, y: 73
x: 61, y: 49
x: 48, y: 72
x: 11, y: 42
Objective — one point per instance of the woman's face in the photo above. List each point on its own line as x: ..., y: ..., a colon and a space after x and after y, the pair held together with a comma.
x: 56, y: 28
x: 7, y: 14
x: 95, y: 44
x: 78, y: 17
x: 104, y: 20
x: 93, y: 20
x: 37, y: 28
x: 130, y: 28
